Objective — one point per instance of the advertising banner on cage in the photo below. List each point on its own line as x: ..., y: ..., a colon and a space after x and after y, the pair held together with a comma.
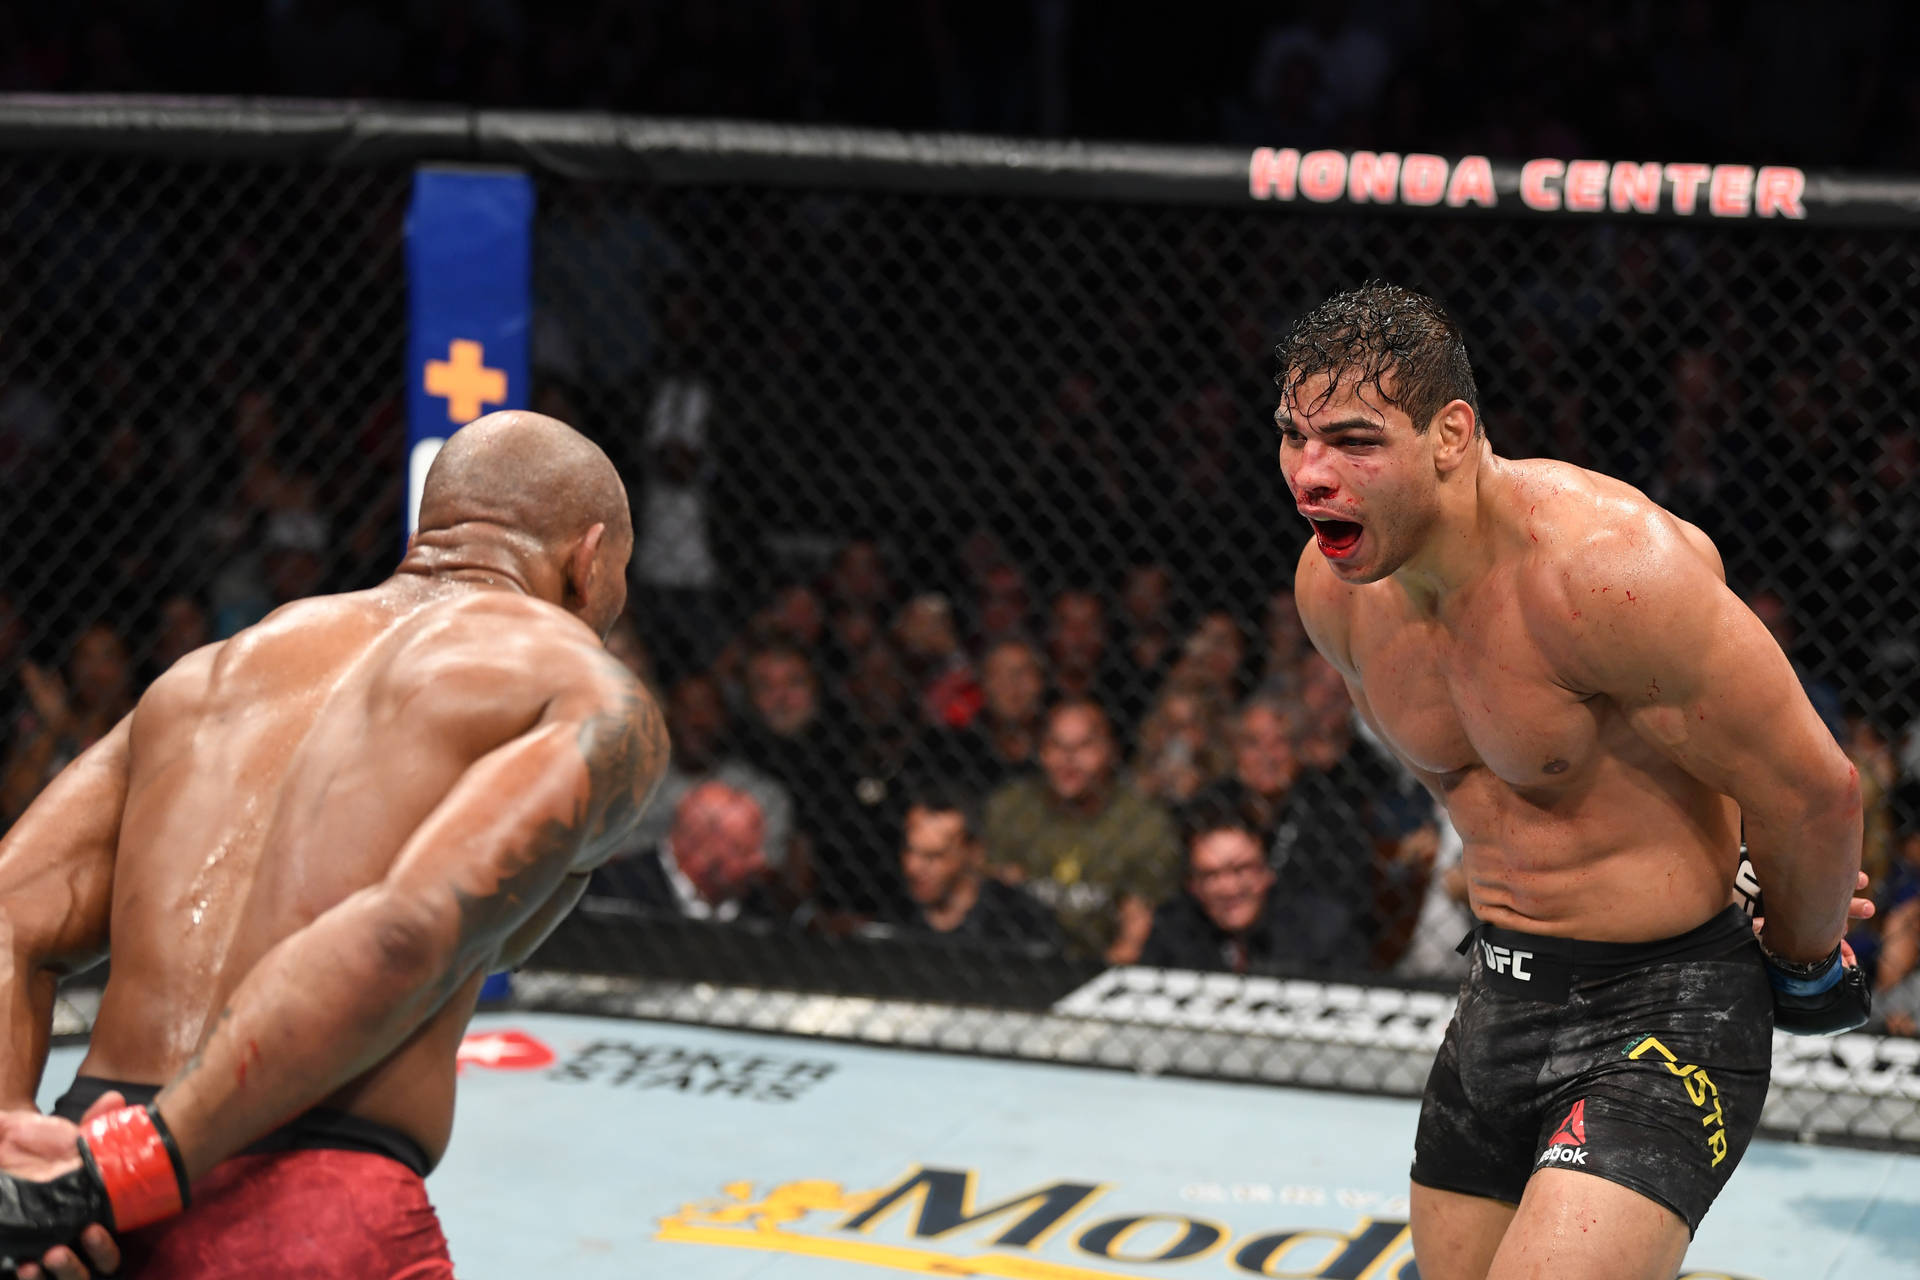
x: 469, y: 306
x: 1671, y: 190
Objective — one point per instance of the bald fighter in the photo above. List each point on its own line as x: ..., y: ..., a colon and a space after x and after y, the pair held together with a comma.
x: 1561, y: 663
x: 308, y: 845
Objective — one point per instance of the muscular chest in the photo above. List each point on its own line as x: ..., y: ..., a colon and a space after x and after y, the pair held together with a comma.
x: 1478, y: 695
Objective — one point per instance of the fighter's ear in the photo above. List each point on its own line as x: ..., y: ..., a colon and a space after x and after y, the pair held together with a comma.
x: 1453, y: 435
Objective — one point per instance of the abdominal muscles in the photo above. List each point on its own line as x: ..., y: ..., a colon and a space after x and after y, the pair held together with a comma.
x: 1627, y: 851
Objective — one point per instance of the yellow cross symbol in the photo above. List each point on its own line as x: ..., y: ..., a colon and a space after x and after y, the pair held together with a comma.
x: 464, y: 379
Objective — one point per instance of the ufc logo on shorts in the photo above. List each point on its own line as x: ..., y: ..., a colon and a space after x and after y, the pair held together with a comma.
x: 1506, y: 960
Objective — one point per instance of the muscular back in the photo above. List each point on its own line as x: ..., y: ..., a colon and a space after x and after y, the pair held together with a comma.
x: 273, y: 775
x: 1564, y: 704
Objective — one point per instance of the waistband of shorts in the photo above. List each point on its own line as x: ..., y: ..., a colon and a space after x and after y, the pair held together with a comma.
x: 1720, y: 934
x: 321, y: 1129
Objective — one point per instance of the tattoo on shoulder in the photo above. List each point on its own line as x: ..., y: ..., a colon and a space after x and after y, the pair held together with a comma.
x: 625, y: 748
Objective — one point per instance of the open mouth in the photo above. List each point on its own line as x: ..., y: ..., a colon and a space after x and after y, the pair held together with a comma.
x: 1337, y: 538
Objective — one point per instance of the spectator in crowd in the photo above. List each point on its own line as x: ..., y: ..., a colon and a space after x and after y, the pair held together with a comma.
x: 1088, y: 842
x: 1690, y: 476
x: 1003, y: 742
x: 942, y: 863
x: 292, y: 564
x: 1260, y: 786
x: 697, y: 726
x: 851, y: 631
x: 1356, y: 827
x: 1182, y: 745
x: 1871, y: 751
x: 675, y: 559
x: 1077, y: 648
x: 857, y: 580
x: 797, y: 616
x: 283, y: 566
x: 794, y: 617
x: 788, y: 738
x: 709, y: 865
x: 1147, y: 615
x: 1444, y: 915
x: 929, y: 645
x: 128, y: 483
x: 1233, y: 915
x: 1285, y: 645
x: 1215, y: 655
x: 787, y: 735
x: 883, y: 747
x: 1003, y: 605
x: 1896, y: 978
x: 1149, y: 642
x: 65, y: 716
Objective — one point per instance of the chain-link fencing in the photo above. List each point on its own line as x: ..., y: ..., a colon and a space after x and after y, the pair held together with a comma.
x: 958, y: 496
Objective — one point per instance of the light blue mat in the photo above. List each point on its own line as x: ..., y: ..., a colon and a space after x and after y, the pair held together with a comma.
x: 609, y: 1150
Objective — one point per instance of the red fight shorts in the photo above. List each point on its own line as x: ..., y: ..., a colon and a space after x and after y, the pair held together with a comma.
x: 297, y: 1215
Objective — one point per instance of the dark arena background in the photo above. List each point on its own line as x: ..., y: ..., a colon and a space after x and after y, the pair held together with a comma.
x: 923, y: 430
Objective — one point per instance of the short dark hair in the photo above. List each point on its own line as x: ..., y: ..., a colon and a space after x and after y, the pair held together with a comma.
x: 1206, y: 813
x: 1376, y: 330
x: 939, y: 793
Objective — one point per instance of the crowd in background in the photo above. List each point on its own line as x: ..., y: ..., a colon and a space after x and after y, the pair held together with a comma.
x: 1106, y: 774
x: 1762, y: 80
x: 1085, y: 747
x: 1062, y: 704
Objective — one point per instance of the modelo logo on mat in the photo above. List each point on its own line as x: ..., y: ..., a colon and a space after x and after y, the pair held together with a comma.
x: 929, y: 1223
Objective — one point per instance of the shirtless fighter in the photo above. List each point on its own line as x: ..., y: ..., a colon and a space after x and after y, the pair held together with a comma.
x: 1561, y: 663
x: 308, y: 845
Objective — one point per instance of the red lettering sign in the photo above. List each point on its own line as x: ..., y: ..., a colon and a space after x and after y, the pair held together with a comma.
x: 1686, y: 180
x: 1323, y: 175
x: 1371, y: 177
x: 1423, y: 179
x: 1730, y: 194
x: 1270, y: 174
x: 1634, y: 187
x: 1535, y: 191
x: 1472, y: 180
x: 1778, y: 190
x: 1586, y: 190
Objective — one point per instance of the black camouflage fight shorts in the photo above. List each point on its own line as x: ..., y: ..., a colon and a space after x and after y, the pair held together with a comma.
x: 1641, y: 1063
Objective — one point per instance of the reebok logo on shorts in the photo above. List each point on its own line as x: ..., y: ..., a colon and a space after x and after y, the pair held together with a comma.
x: 1569, y: 1144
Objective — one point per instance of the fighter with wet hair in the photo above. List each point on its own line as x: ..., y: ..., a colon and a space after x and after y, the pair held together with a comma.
x: 1560, y: 661
x: 308, y: 845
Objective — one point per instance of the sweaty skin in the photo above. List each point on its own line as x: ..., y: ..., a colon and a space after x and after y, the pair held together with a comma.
x: 1560, y: 662
x: 309, y: 843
